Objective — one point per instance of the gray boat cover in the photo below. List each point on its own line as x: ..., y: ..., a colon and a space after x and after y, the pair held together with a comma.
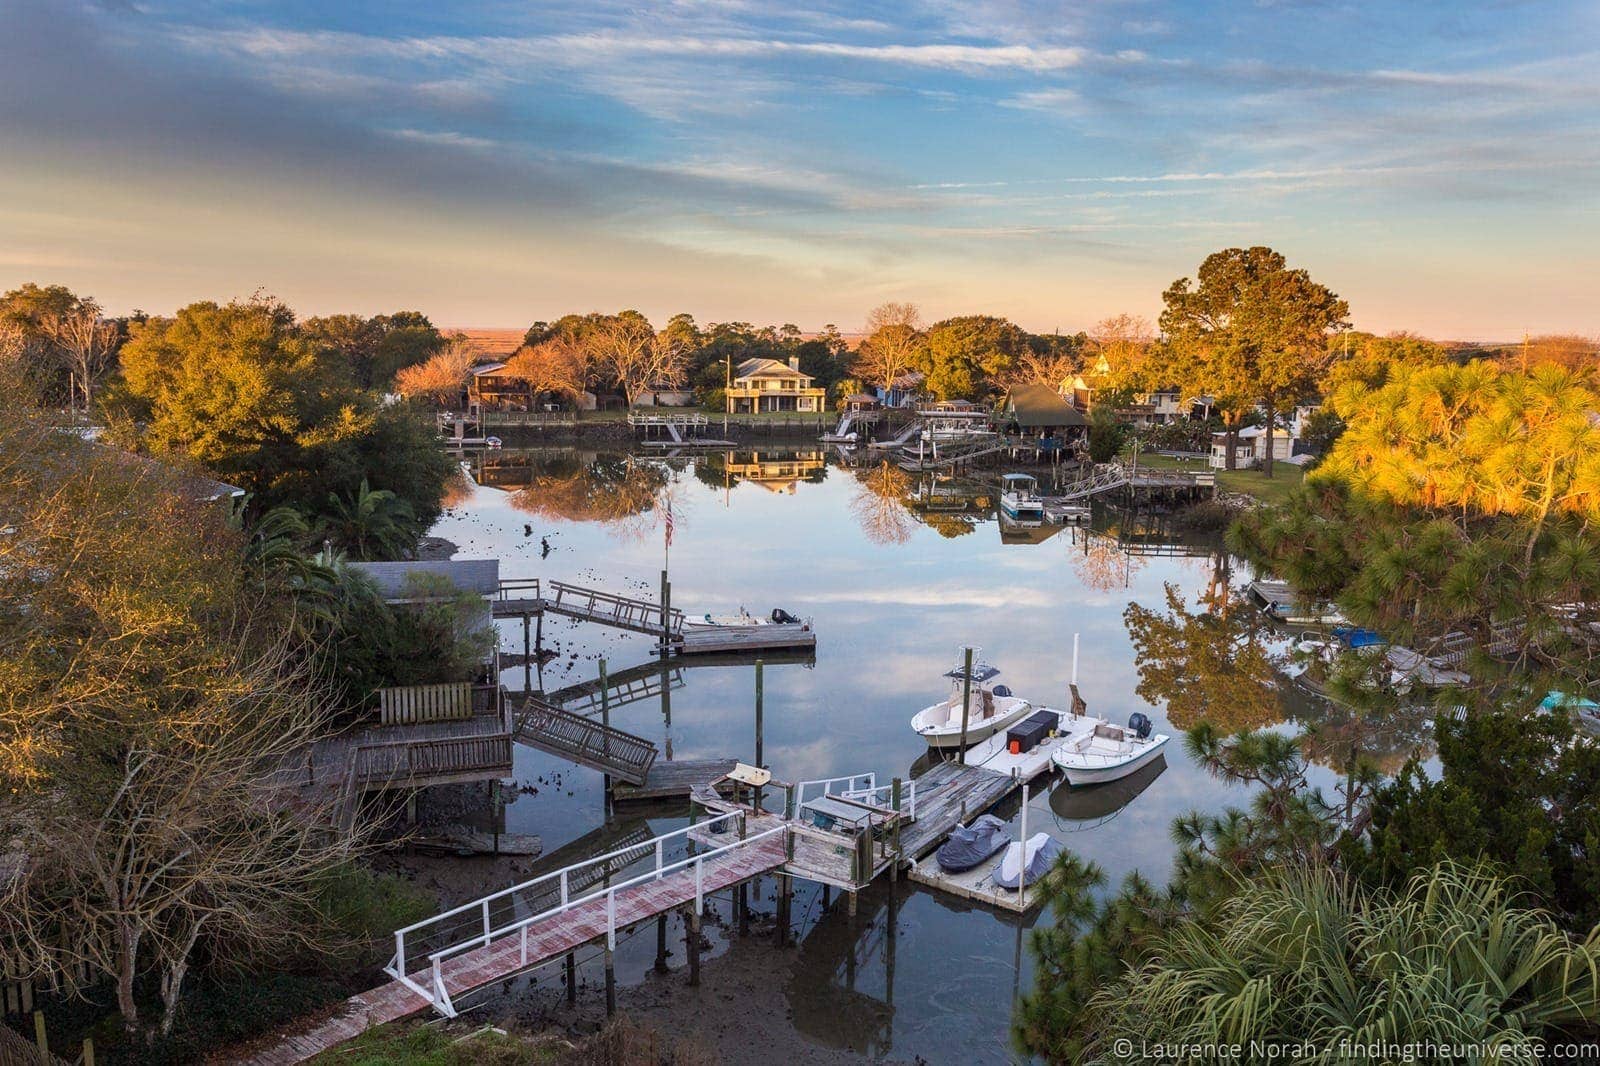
x: 971, y: 844
x: 1042, y: 852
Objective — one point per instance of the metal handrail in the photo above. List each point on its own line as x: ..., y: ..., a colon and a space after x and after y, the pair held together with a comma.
x: 440, y: 997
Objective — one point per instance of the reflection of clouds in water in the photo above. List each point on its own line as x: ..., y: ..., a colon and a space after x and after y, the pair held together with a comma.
x: 883, y: 642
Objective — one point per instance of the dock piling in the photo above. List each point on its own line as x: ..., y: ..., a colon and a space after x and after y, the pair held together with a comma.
x: 661, y: 943
x: 605, y: 723
x: 692, y: 943
x: 572, y: 979
x: 966, y: 702
x: 611, y: 983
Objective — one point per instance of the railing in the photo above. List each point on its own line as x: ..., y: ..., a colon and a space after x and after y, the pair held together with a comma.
x: 584, y: 740
x: 410, y: 704
x: 520, y: 588
x: 863, y: 788
x: 596, y: 604
x: 439, y: 996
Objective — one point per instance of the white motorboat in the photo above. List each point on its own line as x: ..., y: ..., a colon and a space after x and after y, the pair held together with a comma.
x: 1019, y: 497
x: 744, y: 619
x: 1109, y: 751
x: 992, y: 708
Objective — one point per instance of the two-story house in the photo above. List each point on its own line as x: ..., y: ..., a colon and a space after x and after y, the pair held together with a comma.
x: 770, y: 385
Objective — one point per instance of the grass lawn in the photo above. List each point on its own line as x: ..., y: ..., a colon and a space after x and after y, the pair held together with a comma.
x: 1276, y: 489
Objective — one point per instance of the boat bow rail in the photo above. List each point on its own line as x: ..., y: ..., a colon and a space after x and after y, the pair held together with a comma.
x: 509, y: 942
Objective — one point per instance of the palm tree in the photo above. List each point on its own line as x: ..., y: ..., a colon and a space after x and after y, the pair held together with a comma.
x: 373, y: 523
x: 1303, y: 957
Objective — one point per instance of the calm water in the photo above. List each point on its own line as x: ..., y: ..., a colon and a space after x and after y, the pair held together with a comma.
x: 897, y: 576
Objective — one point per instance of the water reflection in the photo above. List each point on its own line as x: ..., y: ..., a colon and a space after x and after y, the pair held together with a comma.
x: 884, y: 563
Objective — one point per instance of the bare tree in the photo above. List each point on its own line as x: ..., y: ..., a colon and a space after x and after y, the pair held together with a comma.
x: 1123, y: 342
x: 894, y: 335
x: 85, y: 341
x: 878, y: 504
x: 1043, y: 368
x: 636, y: 355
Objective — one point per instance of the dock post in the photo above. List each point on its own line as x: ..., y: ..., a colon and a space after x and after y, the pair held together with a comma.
x: 1022, y: 872
x: 611, y: 983
x: 783, y: 910
x: 894, y: 801
x: 527, y: 653
x: 852, y: 902
x: 572, y: 979
x: 966, y: 703
x: 661, y: 942
x: 756, y: 802
x: 692, y: 942
x: 666, y: 610
x: 605, y: 722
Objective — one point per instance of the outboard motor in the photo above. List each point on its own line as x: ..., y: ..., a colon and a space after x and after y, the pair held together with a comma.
x: 782, y: 617
x: 1139, y: 725
x: 1002, y: 690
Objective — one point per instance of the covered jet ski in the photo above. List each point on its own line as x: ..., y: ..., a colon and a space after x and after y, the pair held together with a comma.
x: 1042, y: 850
x: 969, y: 845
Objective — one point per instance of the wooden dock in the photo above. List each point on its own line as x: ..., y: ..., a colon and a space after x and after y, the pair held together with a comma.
x: 674, y: 780
x: 708, y: 640
x: 949, y: 795
x: 976, y: 884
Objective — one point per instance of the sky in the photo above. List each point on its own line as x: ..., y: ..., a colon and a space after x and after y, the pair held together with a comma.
x: 492, y: 162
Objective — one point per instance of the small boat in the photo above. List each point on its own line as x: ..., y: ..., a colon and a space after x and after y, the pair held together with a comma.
x: 1110, y: 751
x: 1019, y: 497
x: 778, y: 617
x: 992, y: 709
x: 1041, y: 850
x: 969, y: 845
x: 491, y: 442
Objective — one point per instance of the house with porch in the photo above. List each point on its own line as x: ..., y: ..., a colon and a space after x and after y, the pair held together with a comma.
x: 763, y: 385
x: 902, y: 391
x: 1250, y: 448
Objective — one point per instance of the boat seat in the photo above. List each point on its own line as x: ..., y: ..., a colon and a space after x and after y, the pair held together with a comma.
x: 1108, y: 731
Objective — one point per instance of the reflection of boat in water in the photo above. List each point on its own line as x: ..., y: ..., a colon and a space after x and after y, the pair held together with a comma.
x: 1098, y: 804
x: 992, y: 707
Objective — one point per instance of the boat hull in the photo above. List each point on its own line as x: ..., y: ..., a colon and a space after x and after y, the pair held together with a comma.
x: 1080, y: 773
x: 1024, y: 509
x: 949, y: 737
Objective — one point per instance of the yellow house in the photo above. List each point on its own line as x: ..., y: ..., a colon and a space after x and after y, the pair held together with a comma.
x: 769, y: 385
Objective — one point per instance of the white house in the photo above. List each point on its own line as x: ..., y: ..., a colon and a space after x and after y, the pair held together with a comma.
x: 1250, y: 448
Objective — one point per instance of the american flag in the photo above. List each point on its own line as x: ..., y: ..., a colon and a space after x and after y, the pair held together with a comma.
x: 668, y: 523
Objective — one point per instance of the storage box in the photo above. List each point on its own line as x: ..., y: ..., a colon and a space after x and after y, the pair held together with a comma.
x: 1025, y: 735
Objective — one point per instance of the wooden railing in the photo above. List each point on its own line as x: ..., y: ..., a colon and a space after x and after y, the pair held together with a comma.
x: 411, y: 704
x: 389, y: 764
x: 585, y: 741
x: 608, y: 607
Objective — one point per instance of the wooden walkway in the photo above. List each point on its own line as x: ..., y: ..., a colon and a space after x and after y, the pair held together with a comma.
x: 675, y: 780
x: 705, y: 640
x: 947, y: 796
x: 583, y: 740
x: 951, y: 455
x: 517, y: 599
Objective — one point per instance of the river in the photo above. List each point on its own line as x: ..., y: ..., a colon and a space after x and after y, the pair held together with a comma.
x: 897, y: 574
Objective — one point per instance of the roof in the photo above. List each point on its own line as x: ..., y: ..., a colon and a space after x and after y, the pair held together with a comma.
x: 1040, y: 405
x: 909, y: 380
x: 493, y: 343
x: 203, y: 489
x: 486, y: 368
x: 470, y: 575
x: 769, y: 368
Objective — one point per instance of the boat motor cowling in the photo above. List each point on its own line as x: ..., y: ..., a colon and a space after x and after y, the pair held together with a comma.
x: 1139, y: 725
x: 782, y: 617
x: 1002, y: 690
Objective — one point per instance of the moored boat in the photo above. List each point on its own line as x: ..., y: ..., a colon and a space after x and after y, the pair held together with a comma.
x: 1109, y: 752
x: 1019, y: 497
x: 991, y: 708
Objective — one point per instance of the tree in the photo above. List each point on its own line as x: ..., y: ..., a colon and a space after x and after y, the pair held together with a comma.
x: 86, y: 342
x: 441, y: 377
x: 1569, y: 351
x: 152, y: 696
x: 629, y: 348
x: 29, y: 317
x: 369, y: 524
x: 1120, y: 348
x: 965, y: 357
x: 878, y: 504
x: 1249, y: 331
x: 1303, y: 958
x: 553, y: 366
x: 894, y: 337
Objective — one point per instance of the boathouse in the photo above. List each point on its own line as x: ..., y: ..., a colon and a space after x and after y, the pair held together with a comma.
x: 1038, y: 411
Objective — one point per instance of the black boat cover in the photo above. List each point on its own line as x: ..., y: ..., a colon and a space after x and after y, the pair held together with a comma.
x: 971, y: 844
x: 1031, y: 730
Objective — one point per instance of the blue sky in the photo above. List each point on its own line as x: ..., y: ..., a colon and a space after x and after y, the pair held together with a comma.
x: 495, y: 162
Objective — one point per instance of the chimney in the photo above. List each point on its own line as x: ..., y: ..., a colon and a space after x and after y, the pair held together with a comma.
x: 794, y: 362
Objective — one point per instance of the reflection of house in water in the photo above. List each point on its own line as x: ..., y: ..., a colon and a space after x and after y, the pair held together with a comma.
x: 777, y: 472
x: 1144, y: 532
x: 514, y: 468
x: 945, y: 495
